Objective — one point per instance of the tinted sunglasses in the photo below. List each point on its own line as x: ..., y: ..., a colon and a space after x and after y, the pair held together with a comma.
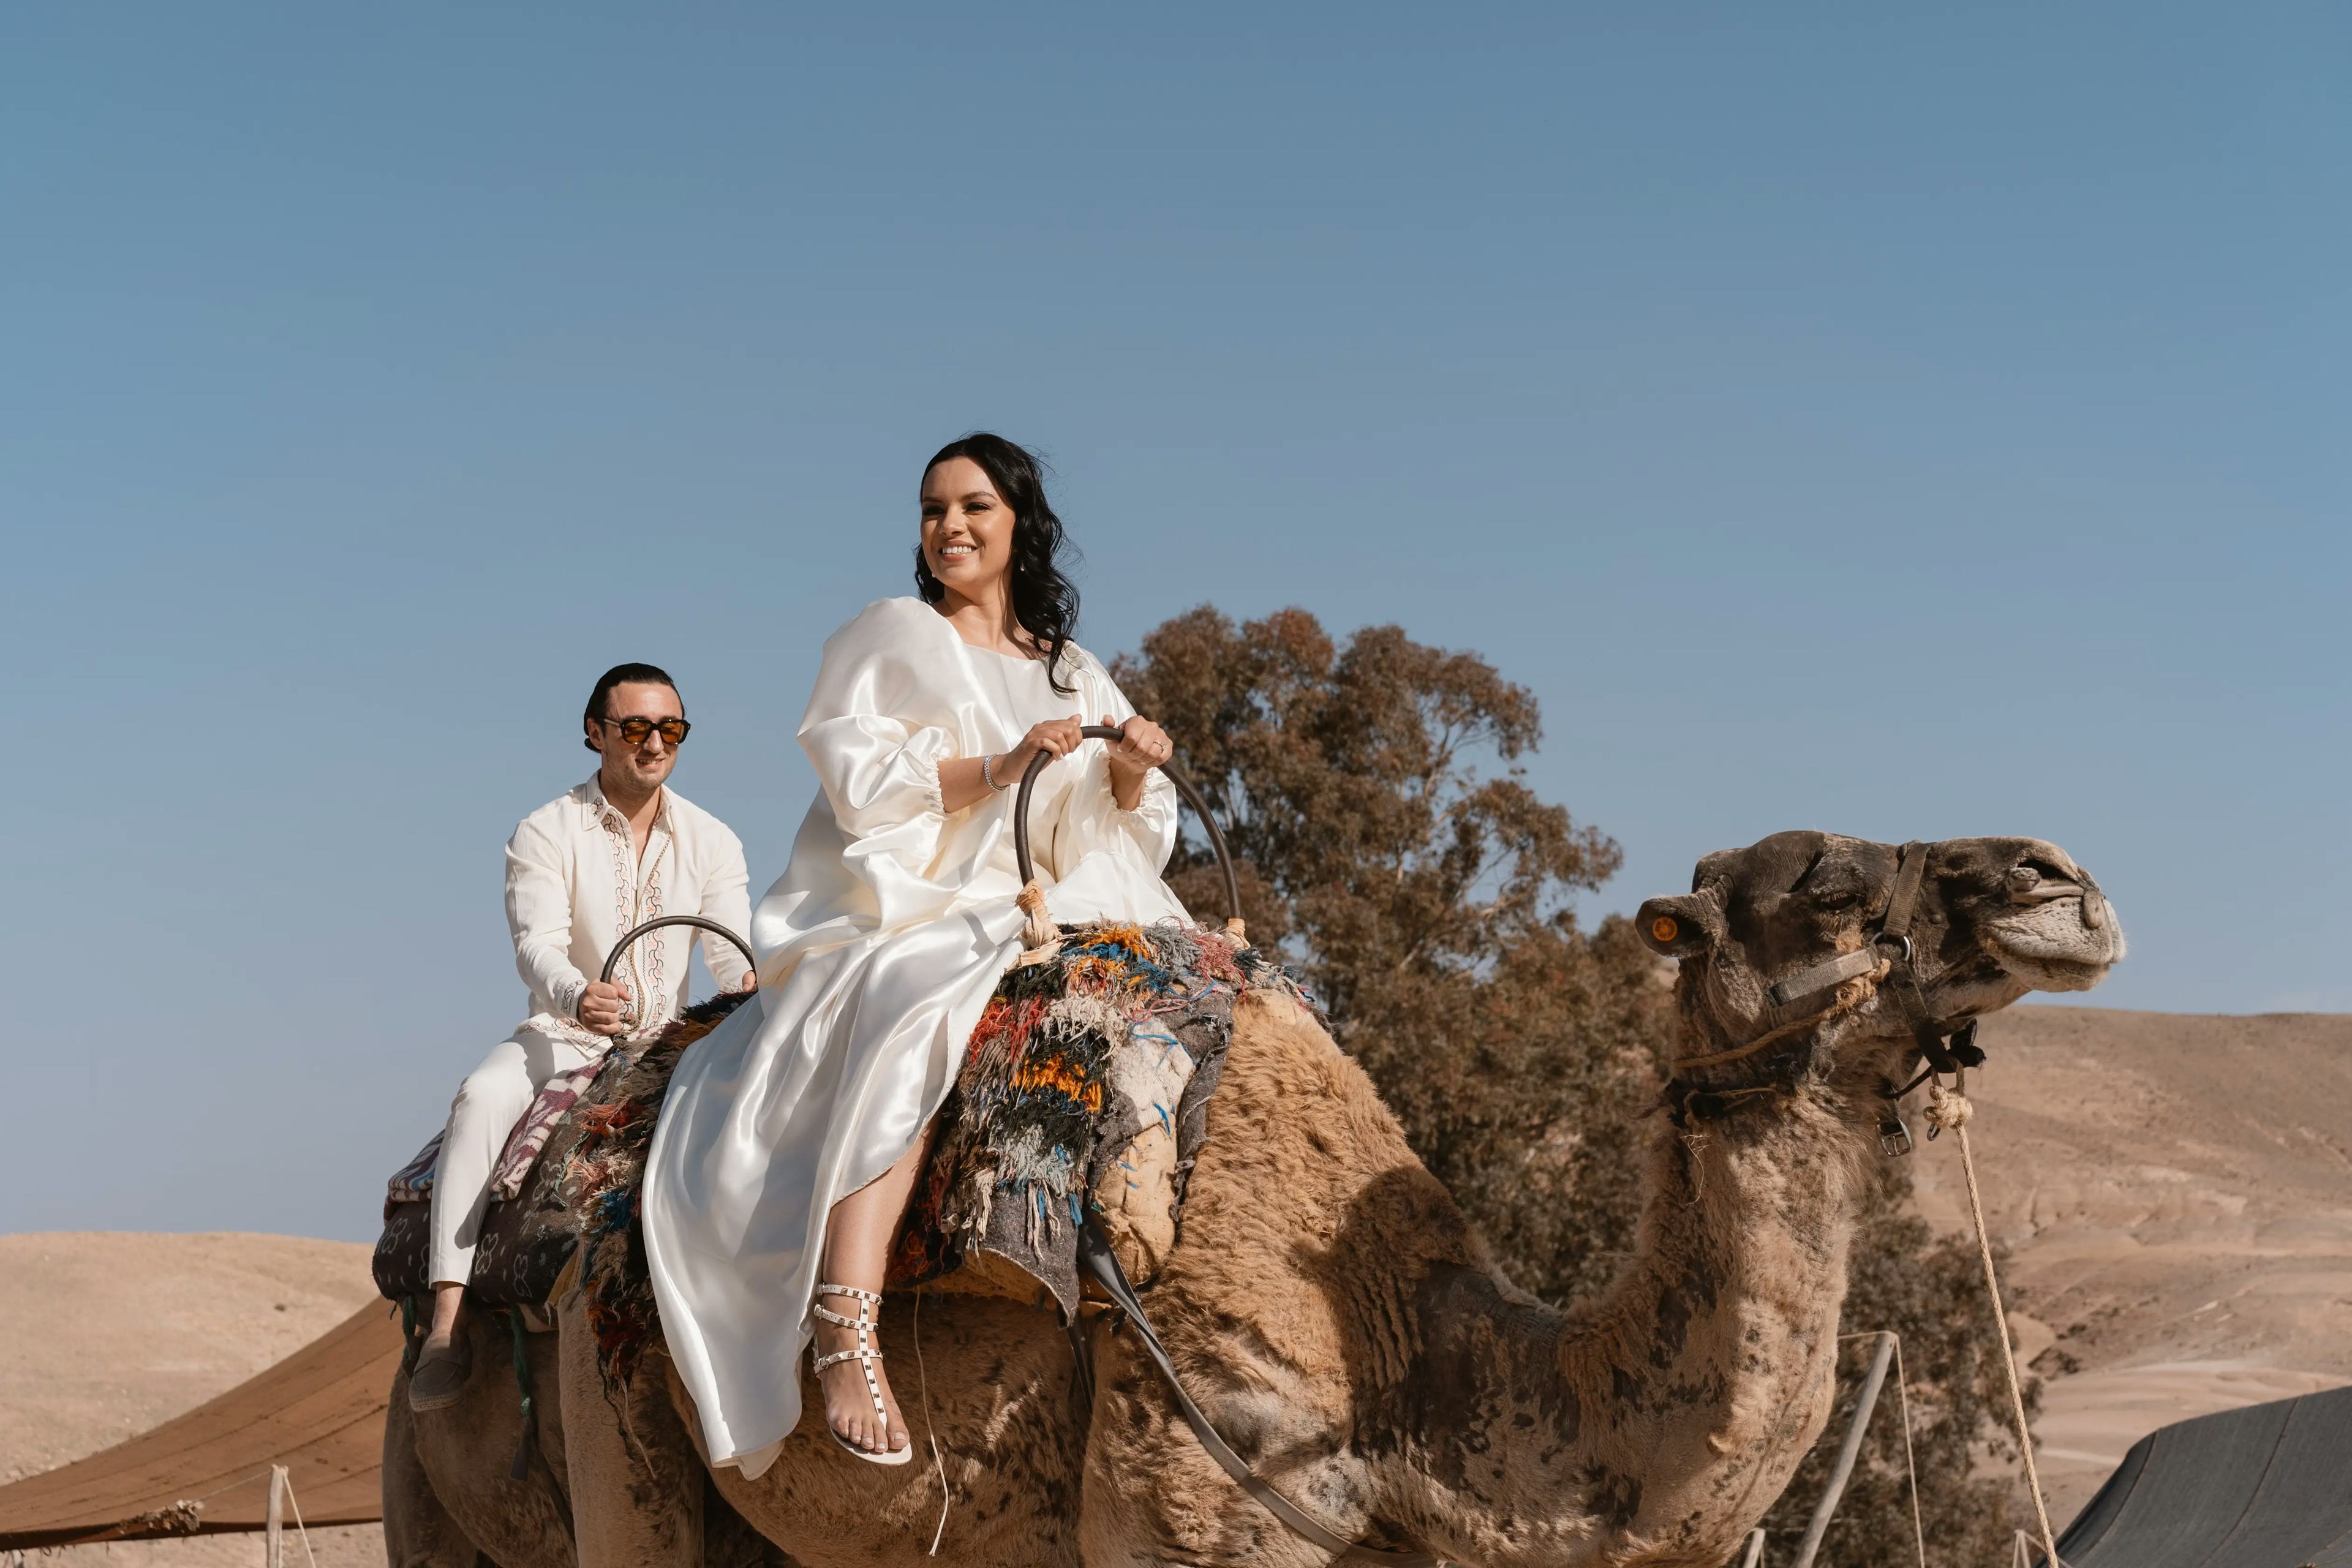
x: 634, y: 730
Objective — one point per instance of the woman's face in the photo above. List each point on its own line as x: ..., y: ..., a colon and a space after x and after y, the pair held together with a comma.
x: 967, y: 529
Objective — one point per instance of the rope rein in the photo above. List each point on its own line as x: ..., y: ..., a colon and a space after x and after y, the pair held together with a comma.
x: 1949, y: 1108
x: 1844, y: 999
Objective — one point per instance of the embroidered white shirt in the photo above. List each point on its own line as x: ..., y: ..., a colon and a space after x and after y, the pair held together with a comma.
x: 575, y: 883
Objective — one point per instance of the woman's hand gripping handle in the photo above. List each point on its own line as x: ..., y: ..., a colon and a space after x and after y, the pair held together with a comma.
x: 1141, y: 746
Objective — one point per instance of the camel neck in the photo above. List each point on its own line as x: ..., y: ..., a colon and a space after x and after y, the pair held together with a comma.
x: 1681, y: 1401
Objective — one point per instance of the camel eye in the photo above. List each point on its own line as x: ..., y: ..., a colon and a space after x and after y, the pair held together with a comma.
x: 1838, y: 887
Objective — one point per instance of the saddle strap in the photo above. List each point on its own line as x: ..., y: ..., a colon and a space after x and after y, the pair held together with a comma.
x: 1096, y: 1258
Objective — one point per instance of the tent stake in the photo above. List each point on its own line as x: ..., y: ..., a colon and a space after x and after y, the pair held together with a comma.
x: 273, y: 1548
x: 1847, y: 1451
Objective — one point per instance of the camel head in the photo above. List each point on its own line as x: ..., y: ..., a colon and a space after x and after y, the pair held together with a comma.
x: 1811, y: 953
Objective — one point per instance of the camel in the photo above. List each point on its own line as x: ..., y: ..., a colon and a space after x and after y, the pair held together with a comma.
x: 1330, y: 1310
x: 450, y: 1498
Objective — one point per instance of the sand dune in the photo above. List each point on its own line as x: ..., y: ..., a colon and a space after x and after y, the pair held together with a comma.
x: 2178, y: 1192
x: 105, y: 1334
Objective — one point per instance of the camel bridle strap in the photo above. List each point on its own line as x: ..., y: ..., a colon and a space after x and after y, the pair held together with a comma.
x: 1823, y: 976
x: 1890, y: 957
x: 1101, y: 1263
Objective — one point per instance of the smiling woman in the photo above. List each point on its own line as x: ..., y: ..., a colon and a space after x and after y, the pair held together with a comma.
x: 1004, y: 538
x: 791, y: 1136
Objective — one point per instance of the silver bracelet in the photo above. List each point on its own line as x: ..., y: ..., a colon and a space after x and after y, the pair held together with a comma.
x: 988, y: 771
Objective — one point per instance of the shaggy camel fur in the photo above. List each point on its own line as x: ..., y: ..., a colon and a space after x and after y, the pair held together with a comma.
x: 1328, y: 1309
x: 449, y: 1501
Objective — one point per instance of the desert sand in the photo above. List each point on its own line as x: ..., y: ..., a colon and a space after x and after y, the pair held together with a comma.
x: 2178, y: 1194
x: 2177, y: 1191
x: 103, y: 1335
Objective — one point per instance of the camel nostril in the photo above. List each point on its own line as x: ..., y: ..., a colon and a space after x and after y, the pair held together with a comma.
x: 2023, y: 879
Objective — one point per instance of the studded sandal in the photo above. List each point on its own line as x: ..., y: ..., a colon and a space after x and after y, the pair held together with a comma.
x: 865, y: 1355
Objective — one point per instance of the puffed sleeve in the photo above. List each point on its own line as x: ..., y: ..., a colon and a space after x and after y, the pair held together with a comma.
x: 1092, y: 822
x: 876, y: 733
x: 886, y: 710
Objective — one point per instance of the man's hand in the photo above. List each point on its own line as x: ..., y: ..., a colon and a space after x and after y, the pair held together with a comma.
x: 604, y: 1008
x: 750, y: 981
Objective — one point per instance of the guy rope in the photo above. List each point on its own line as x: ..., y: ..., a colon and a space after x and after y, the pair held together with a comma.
x: 1949, y: 1108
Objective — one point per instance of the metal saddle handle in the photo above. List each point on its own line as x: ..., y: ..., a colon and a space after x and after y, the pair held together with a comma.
x: 629, y: 939
x: 1190, y: 797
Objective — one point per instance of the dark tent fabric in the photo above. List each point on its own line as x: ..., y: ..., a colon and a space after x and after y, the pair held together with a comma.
x: 2269, y: 1486
x: 320, y: 1413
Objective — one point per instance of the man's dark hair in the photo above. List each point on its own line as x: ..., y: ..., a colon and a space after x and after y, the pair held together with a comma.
x: 622, y: 675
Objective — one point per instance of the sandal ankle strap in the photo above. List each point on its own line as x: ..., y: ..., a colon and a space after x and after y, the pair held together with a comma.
x: 862, y: 1324
x: 852, y: 1291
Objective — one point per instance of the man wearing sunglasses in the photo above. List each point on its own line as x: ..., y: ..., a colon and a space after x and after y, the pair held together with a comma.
x: 580, y: 870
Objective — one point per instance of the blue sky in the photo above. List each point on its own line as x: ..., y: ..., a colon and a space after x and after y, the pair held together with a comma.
x: 1907, y: 421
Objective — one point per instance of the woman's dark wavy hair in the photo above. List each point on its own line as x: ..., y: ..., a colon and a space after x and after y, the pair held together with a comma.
x: 1045, y: 601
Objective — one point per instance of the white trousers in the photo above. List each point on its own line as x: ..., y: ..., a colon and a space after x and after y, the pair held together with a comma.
x: 493, y: 1099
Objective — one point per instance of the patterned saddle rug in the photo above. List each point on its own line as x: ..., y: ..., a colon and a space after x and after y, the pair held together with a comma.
x: 1084, y: 1085
x: 530, y: 1229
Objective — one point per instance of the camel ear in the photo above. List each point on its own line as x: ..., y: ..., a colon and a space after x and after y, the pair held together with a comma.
x: 1679, y: 927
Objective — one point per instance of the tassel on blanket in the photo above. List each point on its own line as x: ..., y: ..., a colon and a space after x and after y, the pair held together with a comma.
x: 1040, y: 939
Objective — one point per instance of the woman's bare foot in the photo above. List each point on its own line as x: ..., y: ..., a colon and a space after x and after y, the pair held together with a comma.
x: 849, y: 1402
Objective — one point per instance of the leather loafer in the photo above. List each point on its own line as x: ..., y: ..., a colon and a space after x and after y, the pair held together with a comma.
x: 438, y: 1380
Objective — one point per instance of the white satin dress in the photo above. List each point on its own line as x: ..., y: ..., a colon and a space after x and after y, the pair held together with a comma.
x: 877, y: 949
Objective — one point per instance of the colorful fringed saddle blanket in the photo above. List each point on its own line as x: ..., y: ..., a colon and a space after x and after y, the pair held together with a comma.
x: 1084, y: 1085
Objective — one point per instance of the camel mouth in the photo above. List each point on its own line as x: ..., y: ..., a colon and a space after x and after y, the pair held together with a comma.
x: 2052, y: 947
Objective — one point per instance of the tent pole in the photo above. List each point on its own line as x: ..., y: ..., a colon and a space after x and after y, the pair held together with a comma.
x: 1847, y: 1451
x: 1755, y: 1553
x: 273, y: 1548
